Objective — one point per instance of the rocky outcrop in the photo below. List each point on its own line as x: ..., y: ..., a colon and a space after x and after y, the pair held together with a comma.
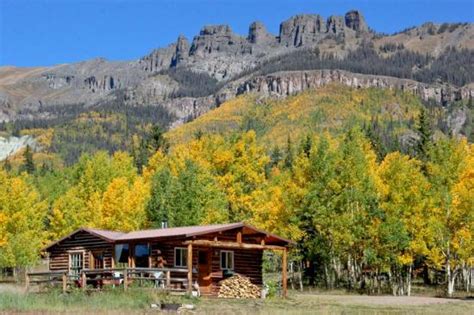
x: 302, y: 29
x: 336, y: 25
x: 308, y: 29
x: 10, y: 146
x: 158, y: 59
x: 259, y: 35
x: 288, y: 83
x: 188, y: 108
x: 355, y: 21
x: 218, y: 39
x: 106, y: 83
x: 283, y: 84
x: 182, y: 51
x: 55, y: 82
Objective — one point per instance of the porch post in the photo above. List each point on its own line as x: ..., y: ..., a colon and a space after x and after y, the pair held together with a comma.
x: 64, y: 282
x: 190, y: 269
x: 132, y: 254
x: 112, y: 260
x: 283, y: 273
x: 27, y: 281
x: 84, y: 280
x: 168, y: 278
x: 125, y: 279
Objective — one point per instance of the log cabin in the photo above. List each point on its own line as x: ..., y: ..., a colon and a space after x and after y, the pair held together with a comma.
x: 206, y: 254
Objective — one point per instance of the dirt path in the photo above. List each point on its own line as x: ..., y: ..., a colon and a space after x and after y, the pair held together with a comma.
x: 385, y: 300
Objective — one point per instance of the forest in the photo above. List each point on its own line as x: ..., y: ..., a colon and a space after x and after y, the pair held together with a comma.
x: 367, y: 216
x: 454, y: 66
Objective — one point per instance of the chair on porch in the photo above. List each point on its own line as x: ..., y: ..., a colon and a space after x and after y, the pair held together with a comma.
x: 159, y: 279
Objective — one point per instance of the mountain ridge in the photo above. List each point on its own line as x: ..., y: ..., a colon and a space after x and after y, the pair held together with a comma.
x: 226, y: 58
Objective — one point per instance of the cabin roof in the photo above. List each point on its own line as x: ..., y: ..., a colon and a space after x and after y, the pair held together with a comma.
x: 185, y: 231
x: 107, y: 234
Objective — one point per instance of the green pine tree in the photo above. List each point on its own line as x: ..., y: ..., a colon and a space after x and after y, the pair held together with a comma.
x: 29, y: 165
x: 289, y: 154
x: 425, y: 132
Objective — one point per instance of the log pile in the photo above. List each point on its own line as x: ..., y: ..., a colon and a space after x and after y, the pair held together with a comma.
x: 238, y: 287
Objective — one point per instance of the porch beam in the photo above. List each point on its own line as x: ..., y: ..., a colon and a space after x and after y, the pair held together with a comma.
x: 207, y: 243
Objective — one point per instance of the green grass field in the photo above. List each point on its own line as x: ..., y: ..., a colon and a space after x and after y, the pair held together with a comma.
x: 138, y: 301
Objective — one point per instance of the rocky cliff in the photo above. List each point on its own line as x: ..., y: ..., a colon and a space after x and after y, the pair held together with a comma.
x: 288, y: 83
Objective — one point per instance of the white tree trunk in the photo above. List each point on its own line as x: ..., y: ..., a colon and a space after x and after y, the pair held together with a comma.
x: 409, y: 280
x: 451, y: 278
x: 301, y: 275
x: 466, y: 275
x: 451, y: 286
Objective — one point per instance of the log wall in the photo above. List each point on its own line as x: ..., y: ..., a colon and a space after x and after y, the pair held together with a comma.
x: 81, y: 241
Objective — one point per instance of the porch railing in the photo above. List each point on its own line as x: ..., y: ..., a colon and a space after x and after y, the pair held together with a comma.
x: 161, y: 278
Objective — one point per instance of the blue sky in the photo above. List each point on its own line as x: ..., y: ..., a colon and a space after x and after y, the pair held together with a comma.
x: 47, y: 32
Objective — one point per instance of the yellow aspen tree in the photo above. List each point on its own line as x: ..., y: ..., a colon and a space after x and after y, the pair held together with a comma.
x: 123, y: 205
x: 271, y: 213
x: 81, y: 205
x: 404, y: 201
x: 3, y: 230
x: 449, y: 168
x: 23, y: 213
x: 463, y: 217
x: 242, y: 171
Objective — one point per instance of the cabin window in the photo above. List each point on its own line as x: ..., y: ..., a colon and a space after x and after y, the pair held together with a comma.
x: 76, y: 263
x: 121, y: 255
x: 227, y: 260
x: 97, y: 261
x: 180, y: 257
x: 142, y: 255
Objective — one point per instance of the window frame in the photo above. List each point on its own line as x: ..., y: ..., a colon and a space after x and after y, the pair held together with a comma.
x: 227, y: 260
x: 76, y: 272
x: 94, y: 257
x: 117, y: 259
x: 184, y: 258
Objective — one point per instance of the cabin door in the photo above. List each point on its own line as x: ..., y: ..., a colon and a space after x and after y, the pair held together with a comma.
x: 76, y: 264
x: 204, y: 270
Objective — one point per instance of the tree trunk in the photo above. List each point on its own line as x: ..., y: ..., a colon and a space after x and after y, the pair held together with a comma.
x: 426, y: 275
x: 451, y: 286
x: 301, y: 275
x: 470, y: 276
x: 337, y: 272
x: 410, y: 268
x: 351, y: 271
x: 401, y: 286
x: 292, y: 275
x: 392, y: 282
x: 451, y: 278
x: 377, y: 281
x: 466, y: 274
x: 311, y: 273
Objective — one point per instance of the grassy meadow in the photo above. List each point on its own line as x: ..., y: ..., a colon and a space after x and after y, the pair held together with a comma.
x: 138, y: 301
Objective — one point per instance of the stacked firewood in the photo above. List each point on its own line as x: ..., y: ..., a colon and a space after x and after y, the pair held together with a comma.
x: 238, y: 287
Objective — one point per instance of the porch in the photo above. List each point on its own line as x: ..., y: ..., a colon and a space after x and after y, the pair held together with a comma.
x: 96, y: 279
